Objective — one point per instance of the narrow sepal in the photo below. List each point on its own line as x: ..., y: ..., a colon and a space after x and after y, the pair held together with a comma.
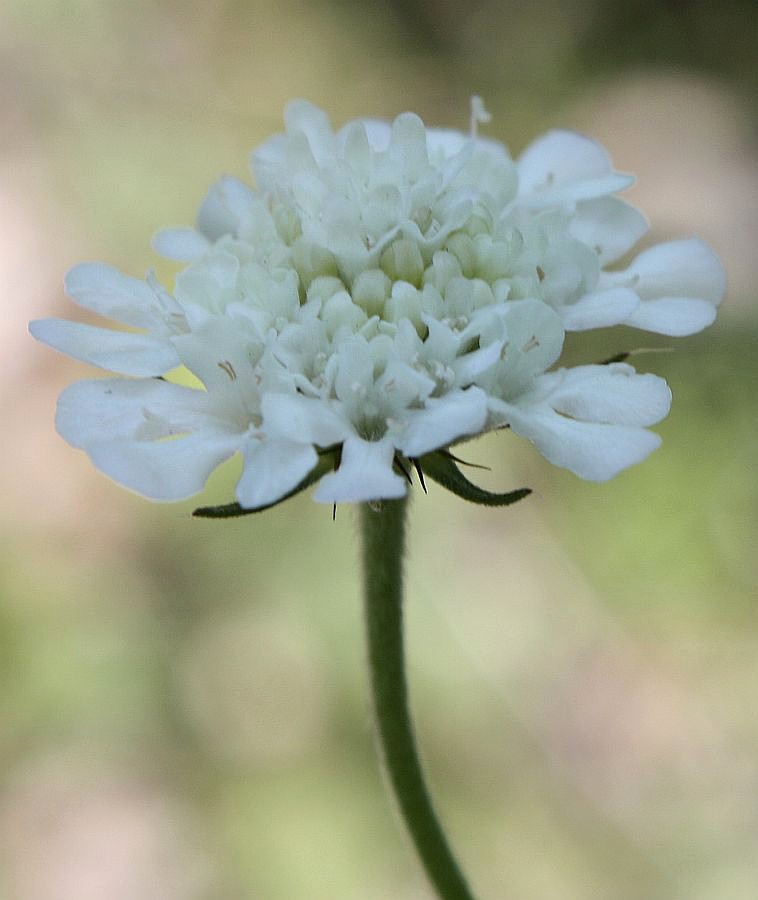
x: 440, y: 467
x: 325, y: 464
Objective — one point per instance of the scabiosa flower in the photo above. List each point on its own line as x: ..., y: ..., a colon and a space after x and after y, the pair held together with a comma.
x: 384, y: 292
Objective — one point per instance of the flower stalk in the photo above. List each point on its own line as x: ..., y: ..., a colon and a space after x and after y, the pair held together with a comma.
x: 383, y: 528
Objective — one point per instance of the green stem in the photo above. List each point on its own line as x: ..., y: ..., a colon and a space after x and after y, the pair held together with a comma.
x: 383, y: 529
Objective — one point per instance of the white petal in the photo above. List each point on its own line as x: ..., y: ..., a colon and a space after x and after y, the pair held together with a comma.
x: 443, y: 420
x: 356, y: 149
x: 164, y: 470
x: 441, y: 341
x: 272, y: 469
x: 303, y: 116
x: 409, y: 143
x: 404, y: 384
x: 613, y: 394
x: 534, y: 335
x: 113, y: 408
x: 445, y: 143
x: 675, y: 316
x: 180, y: 244
x: 600, y: 309
x: 378, y: 133
x: 211, y: 284
x: 117, y: 351
x: 685, y: 268
x: 596, y: 452
x: 217, y: 351
x: 267, y: 160
x: 564, y: 166
x: 587, y: 419
x: 526, y: 319
x: 609, y: 226
x: 365, y: 473
x: 680, y: 284
x: 355, y: 369
x: 225, y: 207
x: 303, y: 419
x: 110, y: 293
x: 471, y: 365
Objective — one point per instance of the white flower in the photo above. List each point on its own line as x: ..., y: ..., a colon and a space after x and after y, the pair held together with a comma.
x: 385, y: 292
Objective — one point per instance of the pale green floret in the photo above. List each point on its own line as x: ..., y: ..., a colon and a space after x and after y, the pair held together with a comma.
x: 371, y: 289
x: 324, y: 288
x: 465, y: 295
x: 336, y: 308
x: 287, y: 223
x: 495, y: 259
x: 338, y: 311
x: 501, y: 289
x: 279, y: 287
x: 405, y: 303
x: 402, y: 261
x: 478, y: 224
x: 444, y: 267
x: 522, y: 287
x: 311, y: 260
x: 462, y: 247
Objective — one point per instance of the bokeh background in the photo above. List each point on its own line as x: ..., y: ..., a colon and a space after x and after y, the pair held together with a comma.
x: 183, y: 710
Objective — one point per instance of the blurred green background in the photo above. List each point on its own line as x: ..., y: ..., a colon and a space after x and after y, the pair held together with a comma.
x: 183, y: 710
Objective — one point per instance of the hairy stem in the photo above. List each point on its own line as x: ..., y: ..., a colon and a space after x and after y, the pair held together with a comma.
x: 383, y: 527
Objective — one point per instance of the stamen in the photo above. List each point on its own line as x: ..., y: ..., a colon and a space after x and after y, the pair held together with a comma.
x: 228, y: 368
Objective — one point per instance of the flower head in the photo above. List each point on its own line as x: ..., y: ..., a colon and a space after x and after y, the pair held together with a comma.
x: 385, y: 291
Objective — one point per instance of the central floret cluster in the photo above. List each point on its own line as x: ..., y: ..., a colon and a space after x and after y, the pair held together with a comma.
x: 386, y: 291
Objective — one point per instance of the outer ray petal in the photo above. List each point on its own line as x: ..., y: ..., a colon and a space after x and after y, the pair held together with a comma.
x: 589, y: 419
x: 272, y: 469
x: 110, y: 293
x: 116, y: 351
x: 595, y: 452
x: 614, y: 394
x: 600, y: 309
x: 680, y: 284
x: 180, y: 244
x: 113, y: 408
x: 565, y: 167
x: 164, y: 470
x: 674, y: 316
x: 684, y: 268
